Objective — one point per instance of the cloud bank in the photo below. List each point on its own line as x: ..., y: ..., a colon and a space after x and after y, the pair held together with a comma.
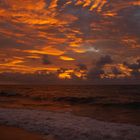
x: 79, y: 39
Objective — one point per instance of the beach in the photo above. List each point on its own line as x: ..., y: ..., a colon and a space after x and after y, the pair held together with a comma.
x: 14, y: 133
x: 66, y: 126
x: 69, y: 69
x: 70, y: 112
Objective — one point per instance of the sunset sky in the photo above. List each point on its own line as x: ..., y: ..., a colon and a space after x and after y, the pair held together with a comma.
x: 66, y: 40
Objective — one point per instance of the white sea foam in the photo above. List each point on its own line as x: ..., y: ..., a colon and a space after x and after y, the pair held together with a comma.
x: 66, y: 126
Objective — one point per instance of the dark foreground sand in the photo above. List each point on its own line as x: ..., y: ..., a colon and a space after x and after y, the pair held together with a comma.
x: 66, y: 126
x: 13, y: 133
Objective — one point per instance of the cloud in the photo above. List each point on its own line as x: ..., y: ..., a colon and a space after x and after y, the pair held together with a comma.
x: 82, y: 66
x: 46, y: 60
x: 46, y: 50
x: 69, y: 31
x: 66, y: 58
x: 96, y: 71
x: 116, y: 71
x: 24, y: 78
x: 135, y: 67
x: 104, y: 60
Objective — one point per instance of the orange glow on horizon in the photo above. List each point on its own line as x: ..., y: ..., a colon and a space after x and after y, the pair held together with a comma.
x: 64, y: 76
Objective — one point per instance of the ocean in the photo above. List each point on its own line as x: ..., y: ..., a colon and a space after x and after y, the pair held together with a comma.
x: 110, y: 103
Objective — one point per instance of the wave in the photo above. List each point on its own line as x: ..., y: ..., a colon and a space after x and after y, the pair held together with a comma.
x: 98, y: 101
x: 66, y: 126
x: 78, y: 100
x: 8, y: 94
x: 104, y: 101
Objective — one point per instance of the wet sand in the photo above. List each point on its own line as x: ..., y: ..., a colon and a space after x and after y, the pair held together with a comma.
x: 13, y: 133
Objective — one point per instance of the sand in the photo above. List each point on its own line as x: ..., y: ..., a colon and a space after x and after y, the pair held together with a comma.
x: 66, y: 126
x: 13, y: 133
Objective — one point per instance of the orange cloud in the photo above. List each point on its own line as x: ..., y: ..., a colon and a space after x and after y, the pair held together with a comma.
x: 66, y: 58
x: 124, y: 71
x: 46, y: 50
x: 66, y: 74
x: 75, y: 27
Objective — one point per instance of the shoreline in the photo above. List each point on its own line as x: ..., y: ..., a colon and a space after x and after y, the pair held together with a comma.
x: 66, y: 126
x: 107, y: 113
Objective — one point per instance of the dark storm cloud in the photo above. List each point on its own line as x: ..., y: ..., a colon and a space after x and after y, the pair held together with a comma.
x: 95, y: 73
x: 82, y: 66
x: 135, y: 67
x: 45, y: 60
x: 128, y: 19
x: 116, y: 71
x: 104, y: 60
x: 97, y: 70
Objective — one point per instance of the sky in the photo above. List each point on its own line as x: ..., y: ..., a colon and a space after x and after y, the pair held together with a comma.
x: 74, y: 41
